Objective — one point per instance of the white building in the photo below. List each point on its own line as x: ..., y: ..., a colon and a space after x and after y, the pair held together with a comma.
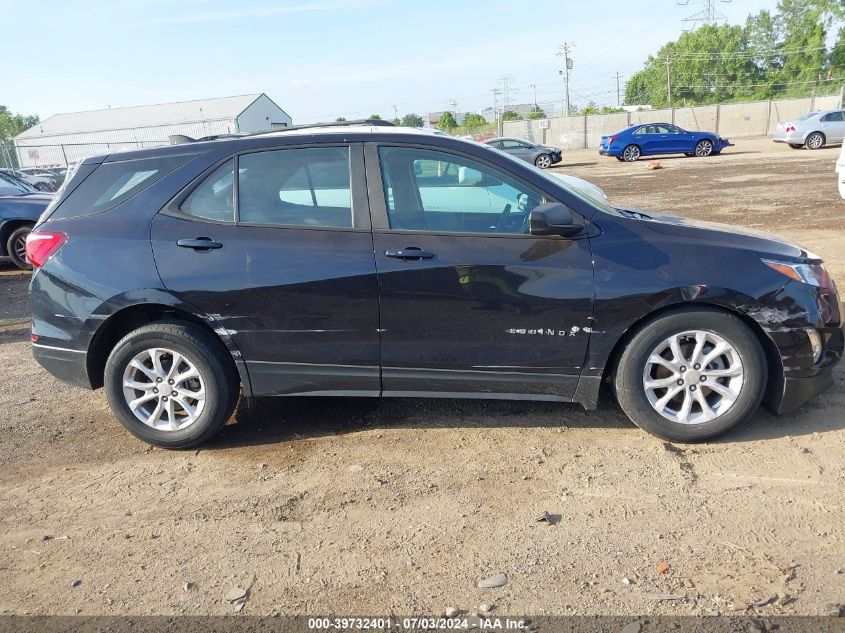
x: 65, y: 138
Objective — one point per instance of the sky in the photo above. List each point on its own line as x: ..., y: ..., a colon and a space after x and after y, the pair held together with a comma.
x: 320, y: 59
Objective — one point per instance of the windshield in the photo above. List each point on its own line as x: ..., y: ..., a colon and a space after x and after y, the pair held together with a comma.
x: 12, y: 186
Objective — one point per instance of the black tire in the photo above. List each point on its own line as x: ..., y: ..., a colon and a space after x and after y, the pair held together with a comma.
x: 816, y: 140
x: 13, y: 247
x: 620, y: 159
x: 629, y: 374
x: 205, y: 352
x: 631, y: 153
x: 689, y: 154
x: 796, y: 145
x: 704, y: 148
x: 543, y: 161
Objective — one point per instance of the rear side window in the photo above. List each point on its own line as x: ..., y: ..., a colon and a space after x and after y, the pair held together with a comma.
x: 115, y: 182
x: 214, y: 198
x: 296, y: 187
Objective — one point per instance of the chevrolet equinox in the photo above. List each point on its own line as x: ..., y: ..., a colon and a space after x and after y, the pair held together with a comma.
x: 367, y: 260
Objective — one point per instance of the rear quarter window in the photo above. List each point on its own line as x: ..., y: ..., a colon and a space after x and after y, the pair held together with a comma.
x: 115, y: 182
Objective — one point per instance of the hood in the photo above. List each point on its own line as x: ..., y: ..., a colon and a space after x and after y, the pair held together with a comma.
x: 724, y: 234
x: 587, y: 188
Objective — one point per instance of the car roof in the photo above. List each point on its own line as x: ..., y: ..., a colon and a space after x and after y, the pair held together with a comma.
x: 303, y: 135
x: 508, y: 138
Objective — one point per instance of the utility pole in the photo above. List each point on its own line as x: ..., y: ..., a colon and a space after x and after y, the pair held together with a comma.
x: 395, y: 112
x: 534, y: 87
x: 618, y: 76
x: 496, y: 92
x: 668, y: 63
x: 564, y: 50
x: 507, y: 89
x: 454, y: 105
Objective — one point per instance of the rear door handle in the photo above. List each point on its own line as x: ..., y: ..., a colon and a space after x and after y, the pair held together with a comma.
x: 200, y: 243
x: 410, y: 252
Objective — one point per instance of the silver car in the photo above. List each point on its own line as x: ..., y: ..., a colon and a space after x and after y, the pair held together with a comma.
x: 814, y: 129
x: 539, y: 155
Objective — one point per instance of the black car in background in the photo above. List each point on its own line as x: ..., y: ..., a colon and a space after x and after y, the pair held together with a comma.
x: 539, y: 155
x: 370, y: 260
x: 20, y: 206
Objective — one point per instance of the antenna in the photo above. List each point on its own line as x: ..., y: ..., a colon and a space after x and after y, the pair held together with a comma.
x: 708, y: 14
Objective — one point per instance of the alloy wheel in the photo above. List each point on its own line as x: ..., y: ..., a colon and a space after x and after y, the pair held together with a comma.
x: 543, y: 162
x: 20, y: 248
x: 631, y: 153
x: 815, y: 141
x: 164, y: 389
x: 693, y: 377
x: 704, y: 148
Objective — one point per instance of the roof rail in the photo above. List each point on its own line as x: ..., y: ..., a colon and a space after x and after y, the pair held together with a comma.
x: 179, y: 139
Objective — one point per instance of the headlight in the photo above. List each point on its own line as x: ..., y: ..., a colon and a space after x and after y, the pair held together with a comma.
x: 811, y: 274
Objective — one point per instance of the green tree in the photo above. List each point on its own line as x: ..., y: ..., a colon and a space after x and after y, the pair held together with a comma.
x: 510, y: 115
x: 473, y: 119
x: 340, y: 119
x: 13, y: 124
x: 412, y: 120
x: 447, y: 122
x: 374, y: 117
x: 537, y: 113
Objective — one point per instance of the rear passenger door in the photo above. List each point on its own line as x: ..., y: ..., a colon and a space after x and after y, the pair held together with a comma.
x: 275, y: 245
x: 833, y: 126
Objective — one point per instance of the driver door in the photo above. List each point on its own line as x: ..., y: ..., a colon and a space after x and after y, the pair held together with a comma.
x: 469, y: 301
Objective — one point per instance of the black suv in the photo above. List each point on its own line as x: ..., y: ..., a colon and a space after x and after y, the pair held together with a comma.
x: 380, y: 261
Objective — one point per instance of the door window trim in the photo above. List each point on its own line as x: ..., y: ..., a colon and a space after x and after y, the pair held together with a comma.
x: 357, y: 184
x: 378, y: 200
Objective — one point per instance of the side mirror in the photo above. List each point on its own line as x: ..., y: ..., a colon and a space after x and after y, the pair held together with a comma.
x: 554, y: 218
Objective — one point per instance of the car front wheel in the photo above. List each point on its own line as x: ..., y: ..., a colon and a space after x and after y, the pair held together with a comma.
x: 171, y: 384
x: 16, y: 247
x: 704, y: 148
x: 691, y: 375
x: 543, y: 161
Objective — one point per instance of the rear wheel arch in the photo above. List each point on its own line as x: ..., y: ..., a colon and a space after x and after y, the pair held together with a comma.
x: 773, y: 359
x: 124, y: 321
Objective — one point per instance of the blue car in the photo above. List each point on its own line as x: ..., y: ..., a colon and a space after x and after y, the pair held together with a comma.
x: 650, y: 139
x: 20, y: 207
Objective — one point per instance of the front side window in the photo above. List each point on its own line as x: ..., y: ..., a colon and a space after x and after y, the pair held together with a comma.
x: 428, y: 190
x: 213, y: 199
x: 512, y: 145
x: 296, y: 187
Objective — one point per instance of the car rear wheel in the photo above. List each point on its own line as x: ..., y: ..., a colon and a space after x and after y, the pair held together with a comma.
x: 704, y: 148
x: 816, y: 140
x: 16, y: 247
x: 171, y: 384
x: 543, y: 161
x: 691, y: 375
x: 631, y: 154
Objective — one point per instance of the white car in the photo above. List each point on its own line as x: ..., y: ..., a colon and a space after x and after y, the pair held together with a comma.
x: 840, y: 171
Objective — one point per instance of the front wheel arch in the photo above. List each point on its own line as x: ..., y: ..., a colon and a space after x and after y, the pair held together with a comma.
x: 773, y: 360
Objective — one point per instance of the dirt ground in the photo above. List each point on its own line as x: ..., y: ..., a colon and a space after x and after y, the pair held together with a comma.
x: 356, y: 506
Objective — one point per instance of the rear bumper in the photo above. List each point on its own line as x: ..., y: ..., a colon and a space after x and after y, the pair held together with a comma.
x: 609, y: 151
x: 67, y: 365
x: 783, y: 137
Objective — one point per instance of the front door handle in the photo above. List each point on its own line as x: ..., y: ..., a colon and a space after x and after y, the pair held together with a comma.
x: 410, y: 252
x: 200, y: 243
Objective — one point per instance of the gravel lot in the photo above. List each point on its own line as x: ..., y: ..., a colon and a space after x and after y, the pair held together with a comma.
x: 361, y: 506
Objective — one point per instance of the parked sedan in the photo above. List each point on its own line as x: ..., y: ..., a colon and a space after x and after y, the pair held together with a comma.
x: 20, y: 206
x: 660, y: 138
x: 814, y: 129
x: 539, y: 155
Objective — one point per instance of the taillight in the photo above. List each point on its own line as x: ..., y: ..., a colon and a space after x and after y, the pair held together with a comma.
x: 41, y: 245
x: 790, y: 128
x: 610, y: 141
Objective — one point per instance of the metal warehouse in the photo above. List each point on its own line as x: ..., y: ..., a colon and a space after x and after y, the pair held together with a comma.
x: 65, y: 138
